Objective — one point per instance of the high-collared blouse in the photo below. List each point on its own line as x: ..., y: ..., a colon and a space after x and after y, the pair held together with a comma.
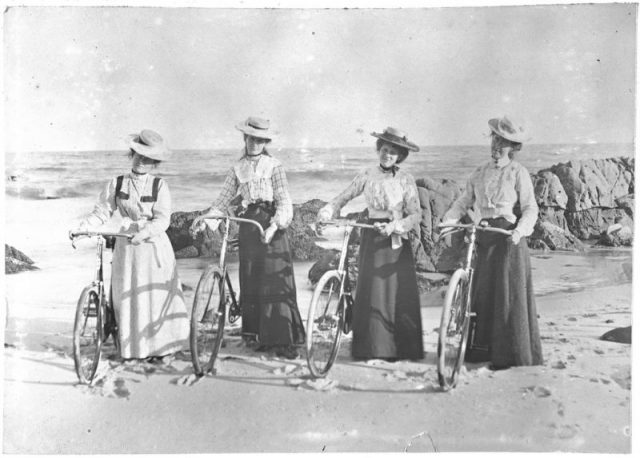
x: 151, y: 216
x: 493, y: 191
x: 387, y: 194
x: 262, y: 180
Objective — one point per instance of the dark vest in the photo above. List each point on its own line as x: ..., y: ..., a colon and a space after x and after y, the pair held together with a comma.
x: 124, y: 196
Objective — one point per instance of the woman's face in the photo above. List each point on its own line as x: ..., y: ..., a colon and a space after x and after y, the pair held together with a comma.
x: 142, y: 164
x: 255, y: 145
x: 500, y: 147
x: 388, y: 155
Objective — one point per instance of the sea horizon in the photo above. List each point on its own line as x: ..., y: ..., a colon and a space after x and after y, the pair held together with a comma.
x: 195, y: 176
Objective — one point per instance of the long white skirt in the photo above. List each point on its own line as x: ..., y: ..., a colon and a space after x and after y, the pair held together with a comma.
x: 147, y: 298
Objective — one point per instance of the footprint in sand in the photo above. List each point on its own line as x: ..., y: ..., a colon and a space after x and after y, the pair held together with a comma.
x: 187, y: 380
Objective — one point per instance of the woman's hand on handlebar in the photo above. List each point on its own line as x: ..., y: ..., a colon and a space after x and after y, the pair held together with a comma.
x: 386, y: 228
x: 140, y: 237
x: 269, y: 233
x: 515, y: 236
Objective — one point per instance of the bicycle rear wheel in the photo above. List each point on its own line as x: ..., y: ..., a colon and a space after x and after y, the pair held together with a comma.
x: 88, y: 334
x: 207, y: 321
x: 454, y: 328
x: 324, y: 324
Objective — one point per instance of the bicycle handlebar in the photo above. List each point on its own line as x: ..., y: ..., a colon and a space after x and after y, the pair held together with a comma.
x: 239, y: 220
x: 471, y: 225
x: 345, y: 222
x: 75, y: 235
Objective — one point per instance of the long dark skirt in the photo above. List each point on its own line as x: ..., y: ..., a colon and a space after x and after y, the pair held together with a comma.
x: 386, y: 312
x: 506, y: 328
x: 267, y: 284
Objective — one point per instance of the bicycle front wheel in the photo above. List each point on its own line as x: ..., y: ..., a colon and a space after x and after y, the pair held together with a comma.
x: 324, y: 324
x: 88, y: 334
x: 207, y: 321
x: 454, y: 327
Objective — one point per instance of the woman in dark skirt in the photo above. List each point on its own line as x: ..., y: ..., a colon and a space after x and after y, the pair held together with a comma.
x: 505, y: 332
x: 386, y: 313
x: 270, y: 314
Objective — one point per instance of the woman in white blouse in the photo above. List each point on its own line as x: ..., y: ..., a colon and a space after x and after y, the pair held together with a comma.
x: 270, y: 314
x: 501, y: 193
x: 386, y: 315
x: 147, y: 295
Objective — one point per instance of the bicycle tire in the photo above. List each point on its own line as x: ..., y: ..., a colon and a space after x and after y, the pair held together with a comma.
x: 207, y: 321
x: 454, y: 330
x: 324, y: 324
x: 88, y: 334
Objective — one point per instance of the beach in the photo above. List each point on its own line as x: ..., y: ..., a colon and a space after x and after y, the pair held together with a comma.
x: 578, y: 401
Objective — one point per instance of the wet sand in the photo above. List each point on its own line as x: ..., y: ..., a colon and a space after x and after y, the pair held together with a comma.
x: 579, y: 400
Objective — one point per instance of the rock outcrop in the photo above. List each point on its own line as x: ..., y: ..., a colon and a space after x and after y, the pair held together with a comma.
x: 16, y: 261
x: 620, y: 335
x: 207, y: 243
x: 578, y: 200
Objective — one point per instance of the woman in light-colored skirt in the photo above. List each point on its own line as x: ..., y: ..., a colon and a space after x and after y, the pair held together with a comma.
x: 147, y: 296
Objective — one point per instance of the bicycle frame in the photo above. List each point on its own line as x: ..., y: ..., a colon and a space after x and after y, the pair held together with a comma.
x: 102, y: 309
x: 222, y: 261
x: 448, y: 380
x: 98, y: 280
x: 348, y: 229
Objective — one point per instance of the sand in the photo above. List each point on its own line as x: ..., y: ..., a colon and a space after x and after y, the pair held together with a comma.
x: 579, y: 400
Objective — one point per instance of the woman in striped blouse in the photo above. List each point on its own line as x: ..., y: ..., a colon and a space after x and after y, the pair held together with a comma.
x: 270, y: 315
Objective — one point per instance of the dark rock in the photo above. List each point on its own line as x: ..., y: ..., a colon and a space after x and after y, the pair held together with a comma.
x: 187, y: 252
x: 620, y: 335
x: 595, y: 182
x: 328, y: 261
x: 549, y: 191
x: 206, y: 243
x: 302, y: 237
x: 554, y: 238
x: 627, y: 203
x: 589, y: 224
x: 16, y: 261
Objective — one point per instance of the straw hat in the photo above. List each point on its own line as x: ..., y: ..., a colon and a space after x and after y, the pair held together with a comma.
x: 397, y: 137
x: 510, y: 129
x: 149, y: 144
x: 257, y: 127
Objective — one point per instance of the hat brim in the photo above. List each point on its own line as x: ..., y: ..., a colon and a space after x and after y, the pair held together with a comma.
x: 266, y: 134
x: 157, y: 153
x: 397, y: 141
x: 494, y: 125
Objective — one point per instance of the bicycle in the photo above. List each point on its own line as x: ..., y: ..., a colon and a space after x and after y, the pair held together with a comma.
x: 207, y: 322
x: 95, y: 319
x: 456, y: 310
x: 330, y: 309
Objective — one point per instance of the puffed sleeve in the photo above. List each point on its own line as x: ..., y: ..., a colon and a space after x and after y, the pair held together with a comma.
x: 411, y: 207
x: 355, y: 188
x: 282, y: 198
x: 159, y: 223
x: 462, y: 203
x: 105, y: 206
x: 528, y: 205
x: 229, y: 191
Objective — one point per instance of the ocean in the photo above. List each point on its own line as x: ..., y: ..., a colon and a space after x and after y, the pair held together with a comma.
x: 195, y: 177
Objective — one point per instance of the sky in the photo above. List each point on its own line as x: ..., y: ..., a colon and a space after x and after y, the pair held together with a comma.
x: 83, y: 78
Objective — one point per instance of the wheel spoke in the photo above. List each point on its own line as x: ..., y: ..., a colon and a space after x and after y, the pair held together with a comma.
x: 453, y: 331
x: 207, y: 321
x: 324, y: 326
x: 87, y: 335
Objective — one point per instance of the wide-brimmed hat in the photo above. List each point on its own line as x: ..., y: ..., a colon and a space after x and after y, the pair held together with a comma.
x: 149, y: 144
x: 510, y: 129
x: 397, y: 137
x: 257, y: 127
